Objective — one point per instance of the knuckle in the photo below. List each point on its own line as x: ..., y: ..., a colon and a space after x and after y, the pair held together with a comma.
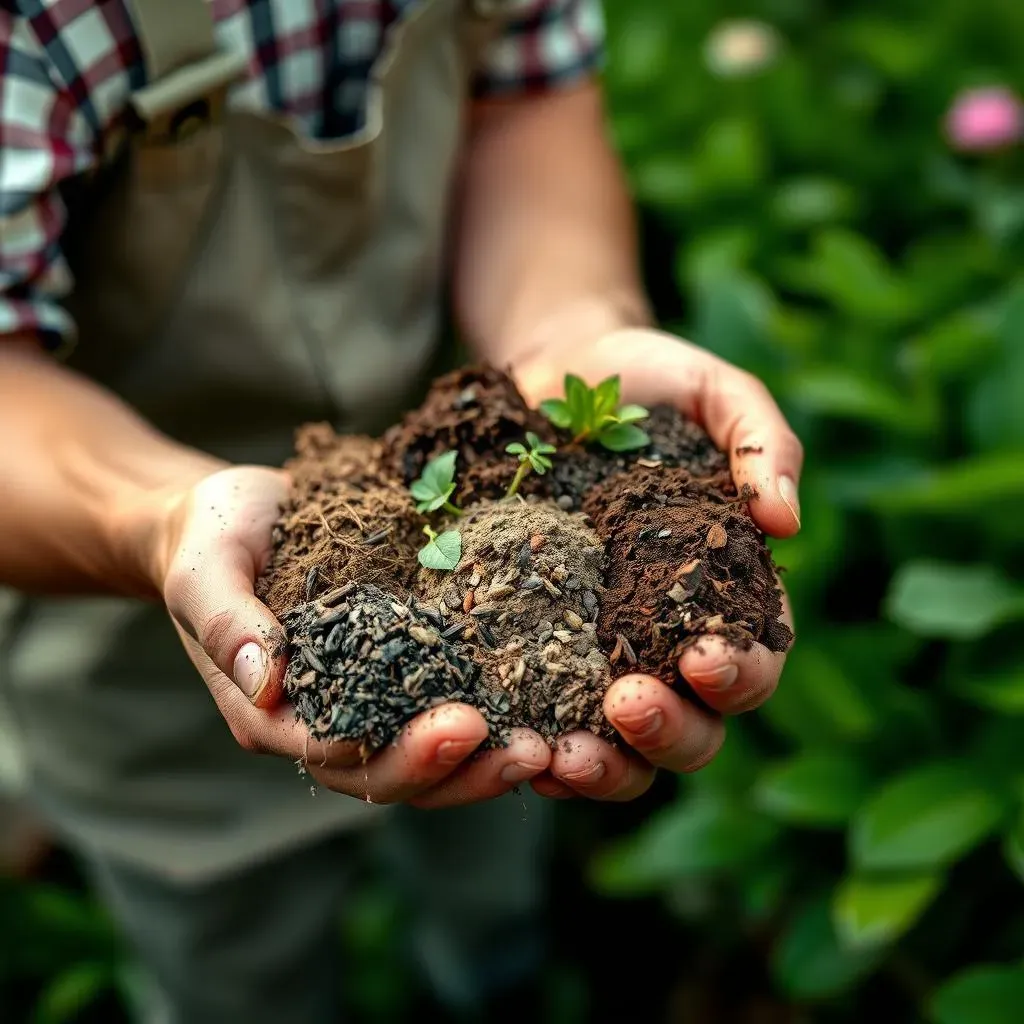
x: 706, y: 754
x: 216, y: 631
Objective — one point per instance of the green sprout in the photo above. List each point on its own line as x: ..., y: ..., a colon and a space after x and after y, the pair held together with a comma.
x: 442, y: 551
x: 534, y: 457
x: 435, y: 486
x: 594, y: 415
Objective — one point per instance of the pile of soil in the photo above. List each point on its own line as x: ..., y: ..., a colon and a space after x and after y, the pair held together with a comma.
x: 609, y: 563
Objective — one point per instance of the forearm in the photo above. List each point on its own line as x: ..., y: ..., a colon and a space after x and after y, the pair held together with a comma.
x: 84, y: 480
x: 546, y: 242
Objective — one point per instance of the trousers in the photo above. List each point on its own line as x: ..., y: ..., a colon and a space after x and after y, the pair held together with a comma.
x: 260, y: 946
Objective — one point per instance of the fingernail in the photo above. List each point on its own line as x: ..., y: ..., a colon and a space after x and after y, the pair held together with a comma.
x: 454, y: 751
x: 715, y: 679
x: 591, y: 774
x: 519, y: 772
x: 787, y: 490
x: 642, y: 726
x: 251, y: 664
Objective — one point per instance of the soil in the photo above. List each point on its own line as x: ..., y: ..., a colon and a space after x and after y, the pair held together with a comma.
x: 609, y: 563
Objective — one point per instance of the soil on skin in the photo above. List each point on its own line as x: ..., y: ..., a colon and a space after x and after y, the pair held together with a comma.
x: 610, y: 563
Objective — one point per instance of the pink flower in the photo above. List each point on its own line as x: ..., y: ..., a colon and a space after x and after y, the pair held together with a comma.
x: 984, y: 119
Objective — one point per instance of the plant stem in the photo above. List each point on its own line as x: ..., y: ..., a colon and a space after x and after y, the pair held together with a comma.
x: 524, y: 468
x: 449, y: 507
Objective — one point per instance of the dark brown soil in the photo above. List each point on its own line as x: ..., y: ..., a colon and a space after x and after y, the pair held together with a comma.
x: 609, y: 563
x: 685, y: 559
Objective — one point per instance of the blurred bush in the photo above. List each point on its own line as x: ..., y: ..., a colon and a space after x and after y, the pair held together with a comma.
x: 806, y: 216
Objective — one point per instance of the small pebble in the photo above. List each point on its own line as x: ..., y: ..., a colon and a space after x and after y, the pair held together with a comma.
x: 573, y: 621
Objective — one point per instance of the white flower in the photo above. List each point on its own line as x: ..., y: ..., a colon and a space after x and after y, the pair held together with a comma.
x: 741, y: 47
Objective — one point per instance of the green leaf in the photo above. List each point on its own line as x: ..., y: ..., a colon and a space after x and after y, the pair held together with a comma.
x: 440, y: 472
x: 623, y: 437
x: 515, y: 448
x: 539, y: 463
x: 1013, y: 846
x: 71, y: 992
x: 969, y: 485
x: 809, y: 963
x: 557, y: 411
x: 927, y: 818
x: 606, y: 397
x: 842, y: 392
x: 435, y: 503
x: 422, y: 491
x: 809, y: 202
x: 443, y: 552
x: 1003, y: 692
x: 532, y: 440
x: 872, y: 911
x: 631, y: 413
x: 980, y: 995
x: 819, y: 789
x: 959, y: 602
x: 580, y: 401
x: 693, y: 837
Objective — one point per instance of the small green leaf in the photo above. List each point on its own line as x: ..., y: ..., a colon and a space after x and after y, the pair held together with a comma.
x: 961, y: 602
x: 532, y: 440
x: 536, y: 462
x: 422, y: 491
x: 443, y: 552
x: 632, y: 413
x: 545, y: 461
x: 808, y: 961
x: 874, y: 911
x: 927, y: 818
x: 1003, y: 692
x: 606, y: 397
x: 624, y: 437
x: 546, y: 449
x: 440, y: 472
x: 558, y: 413
x: 980, y: 995
x: 819, y: 789
x: 435, y: 503
x: 515, y: 448
x: 580, y: 401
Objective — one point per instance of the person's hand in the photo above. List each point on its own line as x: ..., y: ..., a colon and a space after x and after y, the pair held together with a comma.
x: 214, y: 543
x: 663, y: 729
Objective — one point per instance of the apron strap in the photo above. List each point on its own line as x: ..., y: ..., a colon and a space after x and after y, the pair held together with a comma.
x: 187, y: 73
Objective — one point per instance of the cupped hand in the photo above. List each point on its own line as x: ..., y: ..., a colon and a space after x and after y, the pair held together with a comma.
x: 216, y: 542
x: 661, y: 728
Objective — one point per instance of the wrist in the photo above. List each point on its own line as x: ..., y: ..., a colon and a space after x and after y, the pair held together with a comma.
x: 567, y: 340
x: 141, y: 517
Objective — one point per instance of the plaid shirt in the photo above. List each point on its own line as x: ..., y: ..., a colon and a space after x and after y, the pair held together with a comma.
x: 67, y: 68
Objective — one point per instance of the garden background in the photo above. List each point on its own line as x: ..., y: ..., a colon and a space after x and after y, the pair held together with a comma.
x: 813, y: 211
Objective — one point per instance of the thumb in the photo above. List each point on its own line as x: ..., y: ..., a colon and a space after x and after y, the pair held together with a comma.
x: 209, y: 593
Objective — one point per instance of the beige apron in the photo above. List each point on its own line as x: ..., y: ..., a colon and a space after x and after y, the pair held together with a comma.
x: 235, y: 281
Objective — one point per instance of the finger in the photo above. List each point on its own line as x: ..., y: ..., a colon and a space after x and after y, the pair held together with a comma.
x: 430, y: 748
x: 490, y: 774
x: 593, y: 768
x: 209, y: 585
x: 732, y: 680
x: 728, y: 679
x: 734, y: 407
x: 546, y: 786
x: 667, y: 730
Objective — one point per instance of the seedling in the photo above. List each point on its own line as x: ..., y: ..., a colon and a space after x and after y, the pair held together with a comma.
x: 534, y: 457
x: 435, y: 486
x: 442, y: 551
x: 593, y: 415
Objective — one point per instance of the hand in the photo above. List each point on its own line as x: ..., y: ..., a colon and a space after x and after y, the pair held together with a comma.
x: 216, y: 539
x: 663, y: 729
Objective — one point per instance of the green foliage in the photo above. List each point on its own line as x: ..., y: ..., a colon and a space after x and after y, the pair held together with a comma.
x: 534, y: 455
x: 810, y: 222
x: 434, y: 488
x: 442, y: 551
x: 594, y: 415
